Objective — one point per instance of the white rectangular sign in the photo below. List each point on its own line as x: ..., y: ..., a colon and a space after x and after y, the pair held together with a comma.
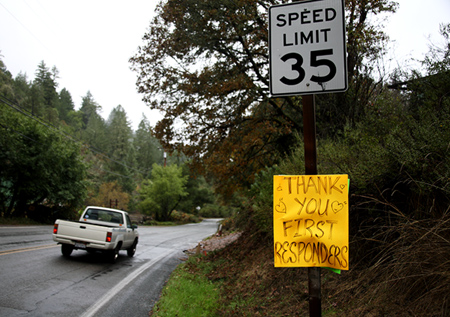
x: 307, y: 48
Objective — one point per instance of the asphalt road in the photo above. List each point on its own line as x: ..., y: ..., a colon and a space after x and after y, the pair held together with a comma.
x: 36, y: 280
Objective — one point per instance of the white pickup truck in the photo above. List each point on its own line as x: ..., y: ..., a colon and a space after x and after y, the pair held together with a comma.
x: 99, y: 229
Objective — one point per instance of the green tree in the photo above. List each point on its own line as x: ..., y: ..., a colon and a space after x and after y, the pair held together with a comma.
x: 199, y: 192
x: 95, y: 133
x: 45, y: 94
x: 89, y: 108
x: 93, y: 126
x: 161, y: 194
x: 148, y: 148
x: 22, y: 90
x: 6, y: 85
x: 39, y: 165
x: 120, y: 149
x: 65, y: 105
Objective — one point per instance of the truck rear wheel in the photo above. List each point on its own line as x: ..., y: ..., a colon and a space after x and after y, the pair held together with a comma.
x: 114, y: 254
x: 66, y: 249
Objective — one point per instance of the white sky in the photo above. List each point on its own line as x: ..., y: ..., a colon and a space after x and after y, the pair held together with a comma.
x: 413, y: 26
x: 91, y: 41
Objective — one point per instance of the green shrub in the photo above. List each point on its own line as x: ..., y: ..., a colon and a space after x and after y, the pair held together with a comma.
x: 182, y: 217
x: 216, y: 211
x: 259, y: 205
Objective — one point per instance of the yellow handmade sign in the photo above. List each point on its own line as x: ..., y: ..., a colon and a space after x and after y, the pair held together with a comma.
x: 310, y: 220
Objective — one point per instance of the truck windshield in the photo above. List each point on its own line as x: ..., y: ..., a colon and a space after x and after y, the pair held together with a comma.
x: 103, y: 215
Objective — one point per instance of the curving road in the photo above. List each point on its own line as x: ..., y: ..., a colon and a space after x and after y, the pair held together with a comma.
x: 37, y: 281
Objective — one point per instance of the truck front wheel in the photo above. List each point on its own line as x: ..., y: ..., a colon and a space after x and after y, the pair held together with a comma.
x: 66, y: 249
x: 132, y: 250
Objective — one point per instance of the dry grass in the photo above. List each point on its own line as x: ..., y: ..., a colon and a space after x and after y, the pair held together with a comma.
x: 408, y: 274
x: 411, y: 273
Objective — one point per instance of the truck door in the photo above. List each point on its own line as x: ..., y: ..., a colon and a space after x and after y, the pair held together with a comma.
x: 129, y: 236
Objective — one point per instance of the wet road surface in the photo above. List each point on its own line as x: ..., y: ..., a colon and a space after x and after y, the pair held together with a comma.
x: 36, y: 280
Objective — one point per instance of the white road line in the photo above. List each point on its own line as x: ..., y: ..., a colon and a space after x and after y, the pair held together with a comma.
x: 116, y: 289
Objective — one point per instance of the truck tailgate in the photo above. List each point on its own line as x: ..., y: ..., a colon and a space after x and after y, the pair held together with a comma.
x: 79, y: 231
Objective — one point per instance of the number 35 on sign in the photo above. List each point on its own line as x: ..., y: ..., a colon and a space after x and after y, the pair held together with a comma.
x: 307, y: 48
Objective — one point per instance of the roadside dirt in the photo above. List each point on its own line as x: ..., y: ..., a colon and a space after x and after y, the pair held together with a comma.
x: 216, y: 242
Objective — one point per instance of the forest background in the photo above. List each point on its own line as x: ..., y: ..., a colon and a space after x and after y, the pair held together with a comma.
x: 56, y: 160
x: 204, y: 65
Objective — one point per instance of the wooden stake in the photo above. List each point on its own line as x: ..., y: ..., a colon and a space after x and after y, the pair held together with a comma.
x: 309, y: 139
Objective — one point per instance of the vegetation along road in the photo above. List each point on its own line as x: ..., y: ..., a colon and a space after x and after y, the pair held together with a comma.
x: 38, y: 281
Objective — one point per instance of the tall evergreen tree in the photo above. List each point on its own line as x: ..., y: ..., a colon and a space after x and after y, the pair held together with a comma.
x: 65, y: 105
x: 89, y: 108
x: 22, y: 90
x: 95, y: 134
x: 46, y: 96
x: 148, y: 148
x: 93, y: 125
x: 120, y: 149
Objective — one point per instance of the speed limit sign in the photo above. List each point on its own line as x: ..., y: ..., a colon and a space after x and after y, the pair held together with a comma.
x: 307, y: 48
